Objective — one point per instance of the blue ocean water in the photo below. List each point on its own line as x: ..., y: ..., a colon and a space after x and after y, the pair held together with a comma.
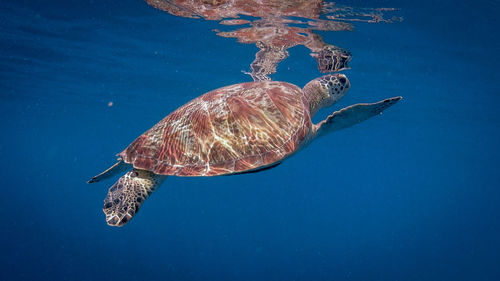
x: 412, y: 194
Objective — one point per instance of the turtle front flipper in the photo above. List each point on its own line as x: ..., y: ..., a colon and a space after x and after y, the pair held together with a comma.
x: 353, y: 115
x: 127, y: 195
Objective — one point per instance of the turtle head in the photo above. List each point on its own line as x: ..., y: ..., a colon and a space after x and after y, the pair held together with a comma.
x: 325, y: 91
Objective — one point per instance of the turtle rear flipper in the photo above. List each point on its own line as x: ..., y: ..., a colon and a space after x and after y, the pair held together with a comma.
x: 127, y: 195
x: 353, y: 115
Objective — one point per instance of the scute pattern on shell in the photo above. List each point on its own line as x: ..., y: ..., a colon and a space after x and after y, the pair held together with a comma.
x: 228, y: 130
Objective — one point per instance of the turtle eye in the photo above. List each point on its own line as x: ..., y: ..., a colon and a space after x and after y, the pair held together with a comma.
x: 342, y: 80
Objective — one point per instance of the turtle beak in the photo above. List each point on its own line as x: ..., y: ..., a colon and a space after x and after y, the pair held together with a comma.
x: 346, y: 58
x: 344, y: 81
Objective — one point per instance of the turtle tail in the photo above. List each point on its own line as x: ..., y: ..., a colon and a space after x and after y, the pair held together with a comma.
x: 118, y: 168
x: 127, y: 195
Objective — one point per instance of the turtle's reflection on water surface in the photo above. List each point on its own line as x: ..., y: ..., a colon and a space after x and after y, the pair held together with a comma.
x: 272, y: 31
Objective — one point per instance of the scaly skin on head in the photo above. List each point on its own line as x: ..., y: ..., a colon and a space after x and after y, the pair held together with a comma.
x: 325, y: 91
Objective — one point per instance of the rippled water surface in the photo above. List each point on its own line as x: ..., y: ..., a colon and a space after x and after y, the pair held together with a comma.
x: 408, y: 195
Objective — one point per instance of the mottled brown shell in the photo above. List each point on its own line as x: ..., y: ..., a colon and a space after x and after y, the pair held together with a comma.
x: 229, y: 130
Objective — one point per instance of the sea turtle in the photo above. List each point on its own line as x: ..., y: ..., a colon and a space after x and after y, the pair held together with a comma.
x: 241, y: 128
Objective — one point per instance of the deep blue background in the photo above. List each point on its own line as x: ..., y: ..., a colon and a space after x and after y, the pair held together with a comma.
x: 410, y: 195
